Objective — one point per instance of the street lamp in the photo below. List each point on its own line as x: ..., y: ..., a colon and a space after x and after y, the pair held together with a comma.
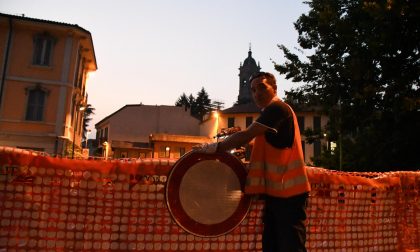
x: 87, y: 136
x: 216, y: 126
x: 79, y: 108
x: 105, y: 144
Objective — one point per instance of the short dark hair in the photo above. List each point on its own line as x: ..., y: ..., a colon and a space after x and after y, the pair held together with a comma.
x: 268, y: 76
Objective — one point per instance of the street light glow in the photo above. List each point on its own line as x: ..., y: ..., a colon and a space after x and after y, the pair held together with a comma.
x: 215, y: 114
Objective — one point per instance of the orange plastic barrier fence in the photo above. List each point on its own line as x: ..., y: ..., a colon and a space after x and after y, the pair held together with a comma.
x: 53, y: 204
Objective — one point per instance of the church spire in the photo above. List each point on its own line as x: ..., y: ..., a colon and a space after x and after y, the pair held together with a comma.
x: 246, y: 70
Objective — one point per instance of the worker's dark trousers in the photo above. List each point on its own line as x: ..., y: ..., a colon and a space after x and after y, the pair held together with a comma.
x: 284, y: 224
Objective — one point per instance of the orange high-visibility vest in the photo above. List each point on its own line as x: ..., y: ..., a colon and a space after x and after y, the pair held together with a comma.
x: 278, y: 172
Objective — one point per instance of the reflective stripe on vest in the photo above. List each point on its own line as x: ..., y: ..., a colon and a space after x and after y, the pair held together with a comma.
x: 275, y: 185
x: 275, y: 168
x: 277, y: 172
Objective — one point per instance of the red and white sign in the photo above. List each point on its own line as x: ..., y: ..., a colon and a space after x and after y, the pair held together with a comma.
x: 204, y: 193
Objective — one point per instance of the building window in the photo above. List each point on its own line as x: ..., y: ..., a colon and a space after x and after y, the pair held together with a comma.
x: 164, y: 151
x: 35, y: 108
x: 179, y: 152
x: 317, y: 123
x: 73, y: 108
x: 106, y: 134
x: 248, y: 121
x: 317, y: 148
x: 231, y: 122
x: 77, y: 70
x: 79, y: 116
x: 81, y: 74
x: 43, y: 47
x: 301, y: 122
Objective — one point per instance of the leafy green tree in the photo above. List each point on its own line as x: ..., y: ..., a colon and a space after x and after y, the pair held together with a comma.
x: 360, y: 61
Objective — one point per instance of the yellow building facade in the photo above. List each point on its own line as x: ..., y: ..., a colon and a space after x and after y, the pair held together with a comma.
x: 44, y: 66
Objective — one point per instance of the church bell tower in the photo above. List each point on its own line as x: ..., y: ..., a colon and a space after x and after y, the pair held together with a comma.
x: 246, y: 70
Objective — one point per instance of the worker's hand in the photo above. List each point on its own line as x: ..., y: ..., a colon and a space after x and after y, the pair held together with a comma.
x: 206, y: 148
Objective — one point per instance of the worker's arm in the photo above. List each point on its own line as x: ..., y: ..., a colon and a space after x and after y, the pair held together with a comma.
x: 242, y: 137
x: 235, y: 140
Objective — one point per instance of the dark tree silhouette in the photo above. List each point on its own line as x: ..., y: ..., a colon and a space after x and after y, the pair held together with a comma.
x: 87, y: 113
x: 362, y: 66
x: 199, y: 105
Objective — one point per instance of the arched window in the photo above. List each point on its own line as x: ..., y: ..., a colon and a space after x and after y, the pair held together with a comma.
x: 35, y: 105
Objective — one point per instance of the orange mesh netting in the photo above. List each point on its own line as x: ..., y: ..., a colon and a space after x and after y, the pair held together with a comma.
x: 52, y: 204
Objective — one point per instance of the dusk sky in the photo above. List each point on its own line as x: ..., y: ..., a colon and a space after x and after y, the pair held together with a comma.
x: 152, y: 51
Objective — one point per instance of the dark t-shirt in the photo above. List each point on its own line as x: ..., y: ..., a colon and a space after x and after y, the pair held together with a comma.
x: 277, y: 115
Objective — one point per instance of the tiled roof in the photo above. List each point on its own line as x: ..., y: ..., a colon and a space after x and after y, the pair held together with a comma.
x: 252, y: 108
x: 242, y: 108
x: 42, y: 21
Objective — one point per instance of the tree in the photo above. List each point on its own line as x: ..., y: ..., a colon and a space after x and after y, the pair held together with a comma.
x: 202, y: 104
x: 199, y: 106
x: 87, y: 113
x: 362, y: 67
x: 183, y: 101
